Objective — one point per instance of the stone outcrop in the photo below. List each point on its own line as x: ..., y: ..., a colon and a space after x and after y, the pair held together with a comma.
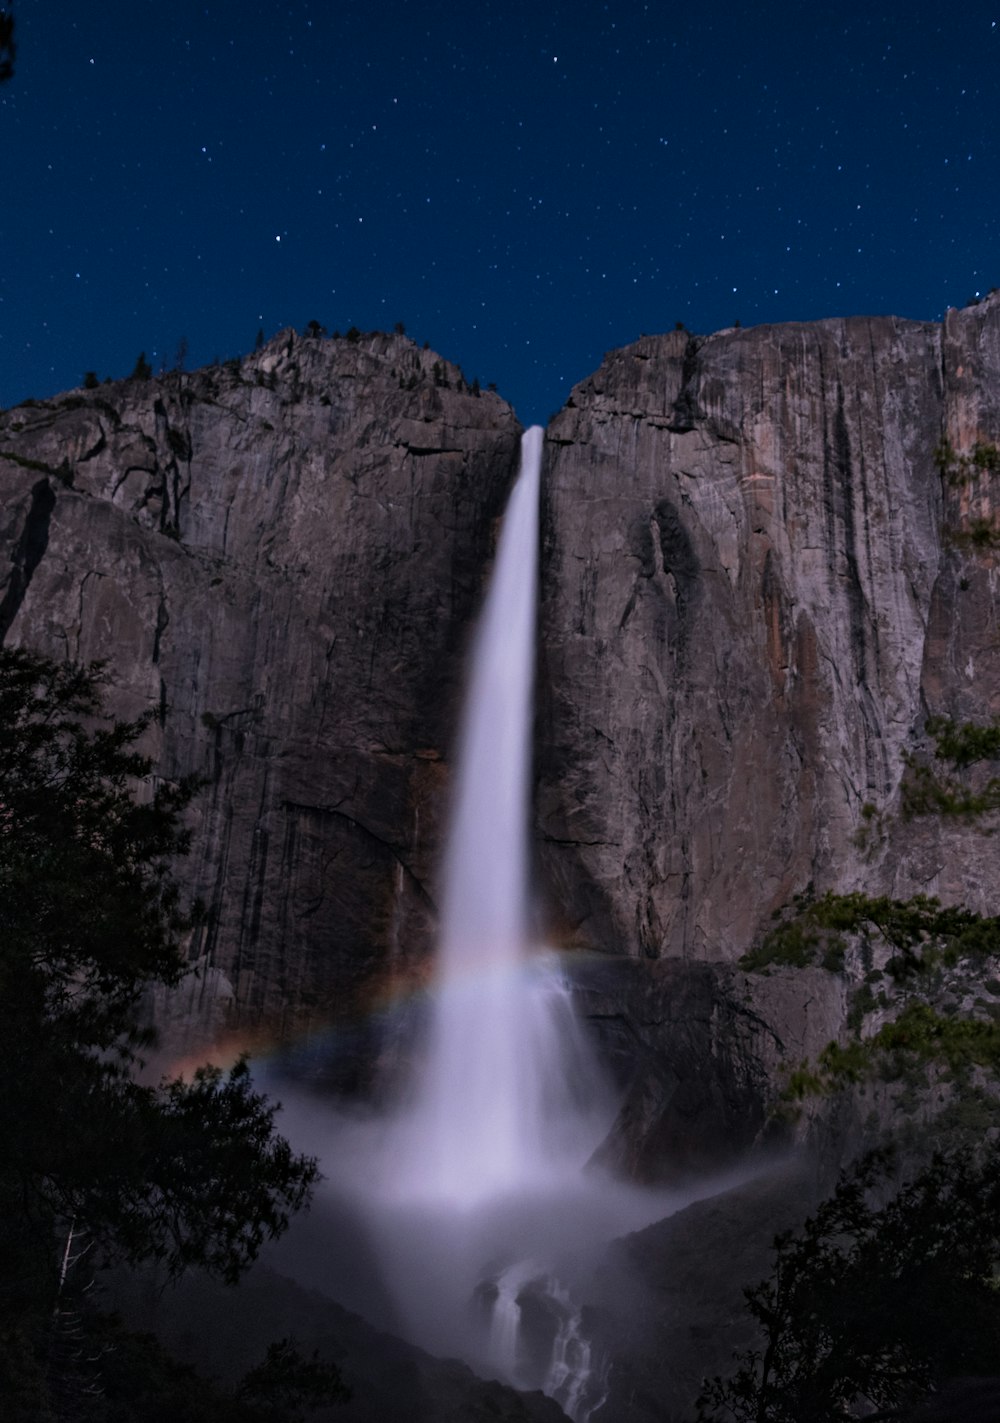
x: 282, y: 555
x: 700, y: 1051
x: 673, y: 1311
x: 757, y: 587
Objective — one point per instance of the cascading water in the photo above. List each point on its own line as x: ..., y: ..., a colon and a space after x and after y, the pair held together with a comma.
x: 508, y: 1103
x: 572, y: 1378
x: 497, y: 1106
x: 478, y: 1208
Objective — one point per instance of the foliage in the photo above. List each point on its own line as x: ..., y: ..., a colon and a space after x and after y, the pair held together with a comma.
x: 916, y: 1037
x: 960, y: 745
x: 958, y: 470
x: 844, y: 1062
x: 8, y: 45
x: 980, y: 533
x: 908, y: 926
x: 925, y: 793
x: 142, y: 369
x: 793, y: 944
x: 184, y: 1173
x: 959, y: 1043
x: 794, y: 940
x: 863, y: 1001
x: 86, y: 898
x: 922, y: 935
x: 285, y: 1382
x: 141, y: 1383
x: 964, y: 743
x: 868, y: 1307
x: 982, y: 462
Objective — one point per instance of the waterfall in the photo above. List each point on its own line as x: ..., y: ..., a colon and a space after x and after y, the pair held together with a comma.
x: 505, y: 1098
x: 569, y: 1374
x: 473, y: 1187
x: 505, y: 1317
x: 572, y: 1379
x: 474, y: 1131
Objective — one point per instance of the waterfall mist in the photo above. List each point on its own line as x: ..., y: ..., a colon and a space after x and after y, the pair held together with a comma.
x: 480, y: 1216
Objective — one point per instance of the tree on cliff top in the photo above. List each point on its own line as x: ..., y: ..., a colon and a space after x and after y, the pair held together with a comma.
x: 182, y: 1174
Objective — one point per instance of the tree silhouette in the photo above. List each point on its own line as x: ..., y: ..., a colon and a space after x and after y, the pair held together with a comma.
x: 8, y: 45
x: 184, y: 1173
x: 870, y: 1307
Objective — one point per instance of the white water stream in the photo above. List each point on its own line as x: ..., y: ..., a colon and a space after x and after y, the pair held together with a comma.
x: 506, y: 1097
x: 474, y: 1188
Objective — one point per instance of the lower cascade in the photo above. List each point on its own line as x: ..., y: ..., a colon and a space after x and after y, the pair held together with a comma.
x: 549, y: 1349
x: 473, y: 1187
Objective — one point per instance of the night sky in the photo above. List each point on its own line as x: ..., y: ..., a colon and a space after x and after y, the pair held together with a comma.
x: 523, y: 183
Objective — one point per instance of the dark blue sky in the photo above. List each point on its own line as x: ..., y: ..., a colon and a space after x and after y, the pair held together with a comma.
x: 524, y: 185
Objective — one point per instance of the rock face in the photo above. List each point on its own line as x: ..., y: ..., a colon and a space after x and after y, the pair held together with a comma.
x: 757, y: 587
x: 283, y: 555
x: 673, y: 1311
x: 768, y: 557
x: 697, y: 1050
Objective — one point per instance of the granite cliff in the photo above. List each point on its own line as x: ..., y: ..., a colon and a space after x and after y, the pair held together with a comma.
x: 757, y: 585
x: 756, y: 590
x: 770, y: 557
x: 283, y: 555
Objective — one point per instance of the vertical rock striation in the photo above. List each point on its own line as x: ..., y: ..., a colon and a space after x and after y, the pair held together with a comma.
x: 756, y: 587
x: 282, y: 555
x: 768, y: 557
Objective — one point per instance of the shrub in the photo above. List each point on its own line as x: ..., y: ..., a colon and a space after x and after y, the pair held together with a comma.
x: 870, y: 1306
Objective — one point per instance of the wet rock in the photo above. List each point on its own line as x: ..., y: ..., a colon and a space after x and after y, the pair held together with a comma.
x: 701, y: 1053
